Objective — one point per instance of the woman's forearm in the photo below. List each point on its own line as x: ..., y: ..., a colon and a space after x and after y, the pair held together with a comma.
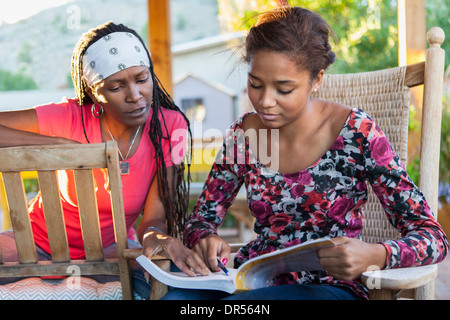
x: 13, y: 137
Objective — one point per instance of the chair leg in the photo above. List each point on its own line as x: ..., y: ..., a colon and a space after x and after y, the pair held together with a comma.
x: 159, y: 289
x: 425, y: 292
x: 125, y: 279
x: 382, y: 294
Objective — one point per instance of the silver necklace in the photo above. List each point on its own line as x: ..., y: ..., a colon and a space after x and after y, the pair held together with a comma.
x: 124, y: 164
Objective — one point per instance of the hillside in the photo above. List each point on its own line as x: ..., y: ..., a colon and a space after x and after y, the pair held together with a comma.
x: 41, y: 46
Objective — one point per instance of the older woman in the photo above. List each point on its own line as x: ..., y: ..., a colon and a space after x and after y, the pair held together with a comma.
x: 118, y: 98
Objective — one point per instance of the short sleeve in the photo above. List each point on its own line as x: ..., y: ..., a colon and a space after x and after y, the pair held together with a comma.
x: 55, y: 119
x: 178, y: 134
x: 65, y: 120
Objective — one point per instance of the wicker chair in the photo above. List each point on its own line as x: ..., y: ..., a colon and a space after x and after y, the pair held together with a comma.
x: 385, y: 96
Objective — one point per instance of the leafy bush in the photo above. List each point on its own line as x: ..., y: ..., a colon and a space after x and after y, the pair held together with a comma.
x: 16, y: 81
x: 444, y: 167
x: 444, y: 157
x: 444, y: 192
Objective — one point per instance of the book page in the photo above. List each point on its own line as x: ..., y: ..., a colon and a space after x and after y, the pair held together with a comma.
x: 258, y: 272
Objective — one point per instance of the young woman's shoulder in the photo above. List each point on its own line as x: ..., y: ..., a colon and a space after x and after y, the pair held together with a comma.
x: 353, y: 119
x: 330, y: 116
x: 249, y: 120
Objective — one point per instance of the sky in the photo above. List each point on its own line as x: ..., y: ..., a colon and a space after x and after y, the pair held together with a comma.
x: 15, y: 10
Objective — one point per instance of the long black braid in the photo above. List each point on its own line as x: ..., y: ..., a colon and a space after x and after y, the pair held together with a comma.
x: 176, y: 205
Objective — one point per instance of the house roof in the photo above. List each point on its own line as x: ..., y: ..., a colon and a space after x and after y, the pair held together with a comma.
x: 209, y: 42
x: 218, y: 86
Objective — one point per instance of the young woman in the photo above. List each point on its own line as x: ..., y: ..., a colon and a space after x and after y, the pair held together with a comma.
x: 317, y: 186
x: 118, y: 98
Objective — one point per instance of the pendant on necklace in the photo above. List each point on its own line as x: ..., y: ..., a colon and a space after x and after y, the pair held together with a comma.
x: 124, y: 167
x: 124, y: 164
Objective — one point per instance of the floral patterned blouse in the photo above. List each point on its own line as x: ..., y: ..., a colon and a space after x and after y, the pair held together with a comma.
x: 325, y: 199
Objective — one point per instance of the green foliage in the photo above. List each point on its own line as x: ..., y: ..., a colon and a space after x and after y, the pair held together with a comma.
x: 16, y: 81
x: 366, y: 31
x: 413, y: 169
x: 31, y: 186
x: 444, y: 161
x: 25, y: 53
x: 69, y: 81
x: 413, y: 123
x: 444, y: 156
x: 438, y: 14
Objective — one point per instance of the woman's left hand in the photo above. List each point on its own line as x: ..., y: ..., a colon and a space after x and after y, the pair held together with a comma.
x: 350, y: 257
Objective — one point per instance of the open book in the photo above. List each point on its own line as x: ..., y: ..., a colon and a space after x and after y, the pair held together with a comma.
x: 253, y: 274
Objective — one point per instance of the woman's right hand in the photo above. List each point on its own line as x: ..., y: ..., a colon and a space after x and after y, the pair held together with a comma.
x: 211, y: 248
x: 185, y: 259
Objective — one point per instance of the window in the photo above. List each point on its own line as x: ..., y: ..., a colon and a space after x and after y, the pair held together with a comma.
x: 194, y: 109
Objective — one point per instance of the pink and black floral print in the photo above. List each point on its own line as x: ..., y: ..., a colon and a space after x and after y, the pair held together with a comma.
x: 325, y: 199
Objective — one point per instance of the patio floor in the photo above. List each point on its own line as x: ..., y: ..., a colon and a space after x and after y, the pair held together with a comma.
x: 443, y: 280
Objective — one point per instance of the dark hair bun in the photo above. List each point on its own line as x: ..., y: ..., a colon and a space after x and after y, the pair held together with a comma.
x: 297, y: 32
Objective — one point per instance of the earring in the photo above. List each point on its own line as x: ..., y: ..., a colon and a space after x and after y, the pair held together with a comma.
x: 315, y: 90
x: 97, y: 111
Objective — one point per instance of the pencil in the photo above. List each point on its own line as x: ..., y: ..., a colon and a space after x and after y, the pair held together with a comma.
x: 221, y: 266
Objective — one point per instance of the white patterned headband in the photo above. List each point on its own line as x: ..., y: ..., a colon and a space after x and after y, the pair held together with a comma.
x: 112, y: 53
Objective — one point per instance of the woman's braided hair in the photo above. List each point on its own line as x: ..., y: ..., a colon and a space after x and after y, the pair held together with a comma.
x: 176, y: 205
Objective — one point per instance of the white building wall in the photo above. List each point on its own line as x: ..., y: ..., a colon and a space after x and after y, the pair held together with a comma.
x: 219, y: 106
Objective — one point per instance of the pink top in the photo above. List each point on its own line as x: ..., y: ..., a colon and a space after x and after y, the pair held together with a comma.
x: 64, y: 120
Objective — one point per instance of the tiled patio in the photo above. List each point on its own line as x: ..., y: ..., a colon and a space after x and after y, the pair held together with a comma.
x: 443, y: 280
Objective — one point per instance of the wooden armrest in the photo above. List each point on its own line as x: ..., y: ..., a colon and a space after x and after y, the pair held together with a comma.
x: 159, y: 289
x: 132, y: 254
x: 399, y: 279
x: 236, y: 246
